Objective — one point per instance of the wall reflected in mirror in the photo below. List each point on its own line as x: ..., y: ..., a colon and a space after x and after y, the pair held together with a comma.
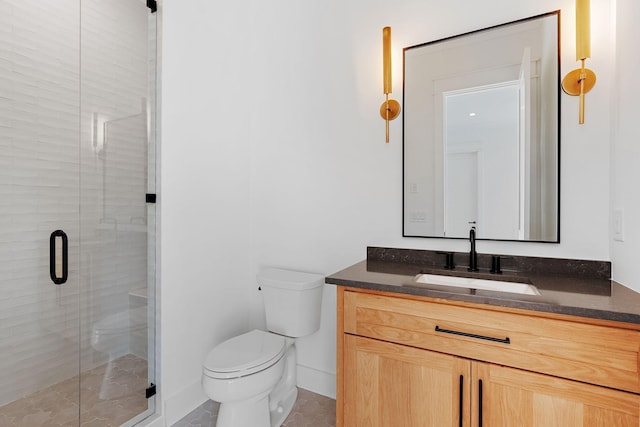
x: 481, y: 133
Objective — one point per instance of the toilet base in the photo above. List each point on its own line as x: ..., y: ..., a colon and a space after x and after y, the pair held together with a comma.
x: 279, y: 414
x: 254, y: 413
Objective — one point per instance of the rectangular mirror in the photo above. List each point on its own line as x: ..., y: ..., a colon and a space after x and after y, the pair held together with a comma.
x: 482, y: 133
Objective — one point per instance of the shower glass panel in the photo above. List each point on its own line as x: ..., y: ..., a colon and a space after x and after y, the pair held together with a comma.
x: 39, y: 181
x: 77, y: 218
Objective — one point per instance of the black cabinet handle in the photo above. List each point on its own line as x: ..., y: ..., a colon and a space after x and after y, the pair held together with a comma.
x: 479, y: 403
x: 466, y: 334
x: 54, y: 261
x: 460, y: 415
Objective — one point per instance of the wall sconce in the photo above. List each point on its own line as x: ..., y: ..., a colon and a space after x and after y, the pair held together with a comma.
x: 390, y: 108
x: 582, y: 80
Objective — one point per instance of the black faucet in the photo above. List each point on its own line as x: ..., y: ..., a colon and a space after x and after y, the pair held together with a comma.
x: 473, y: 255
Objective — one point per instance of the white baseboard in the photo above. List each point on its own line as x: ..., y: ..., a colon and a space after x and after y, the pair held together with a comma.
x: 183, y: 402
x: 317, y: 381
x: 155, y: 421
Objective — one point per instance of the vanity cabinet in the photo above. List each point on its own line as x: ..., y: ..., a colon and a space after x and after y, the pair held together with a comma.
x: 387, y: 384
x: 514, y: 397
x: 415, y: 361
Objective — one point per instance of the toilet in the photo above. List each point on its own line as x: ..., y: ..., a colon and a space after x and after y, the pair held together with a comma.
x: 253, y: 375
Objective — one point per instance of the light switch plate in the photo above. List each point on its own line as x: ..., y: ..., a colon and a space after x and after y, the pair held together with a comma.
x: 618, y: 225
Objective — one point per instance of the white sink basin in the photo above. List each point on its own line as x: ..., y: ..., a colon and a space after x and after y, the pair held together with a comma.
x: 471, y: 283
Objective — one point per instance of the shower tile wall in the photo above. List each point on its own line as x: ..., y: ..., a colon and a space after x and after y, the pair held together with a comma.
x: 49, y: 123
x: 39, y: 110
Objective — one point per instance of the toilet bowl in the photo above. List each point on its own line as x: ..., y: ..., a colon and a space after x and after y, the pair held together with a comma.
x: 240, y: 373
x: 253, y: 375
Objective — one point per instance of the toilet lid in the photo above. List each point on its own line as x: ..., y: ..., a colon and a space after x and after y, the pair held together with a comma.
x: 244, y: 354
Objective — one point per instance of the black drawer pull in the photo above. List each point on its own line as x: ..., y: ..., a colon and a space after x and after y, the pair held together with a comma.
x: 466, y: 334
x: 461, y: 397
x: 480, y: 403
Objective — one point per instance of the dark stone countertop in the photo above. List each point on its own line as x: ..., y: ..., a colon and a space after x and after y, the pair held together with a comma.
x: 580, y: 288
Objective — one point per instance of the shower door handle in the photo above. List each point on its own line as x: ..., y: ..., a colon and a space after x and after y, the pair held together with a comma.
x: 58, y: 257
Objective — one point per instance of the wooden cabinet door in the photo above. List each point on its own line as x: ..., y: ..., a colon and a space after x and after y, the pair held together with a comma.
x: 388, y: 385
x: 514, y: 398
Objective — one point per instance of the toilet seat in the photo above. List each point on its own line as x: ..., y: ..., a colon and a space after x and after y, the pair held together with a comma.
x: 244, y: 355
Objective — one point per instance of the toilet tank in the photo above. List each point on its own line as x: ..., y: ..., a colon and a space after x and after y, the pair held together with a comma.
x: 292, y: 301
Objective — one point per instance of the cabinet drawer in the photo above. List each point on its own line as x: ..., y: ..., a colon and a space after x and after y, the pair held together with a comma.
x: 601, y: 355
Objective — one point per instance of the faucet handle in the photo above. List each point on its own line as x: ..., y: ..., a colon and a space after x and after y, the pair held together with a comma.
x: 449, y: 265
x: 495, y: 263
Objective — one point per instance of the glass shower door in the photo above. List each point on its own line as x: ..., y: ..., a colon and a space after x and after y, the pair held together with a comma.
x: 77, y: 222
x: 39, y: 181
x: 117, y: 227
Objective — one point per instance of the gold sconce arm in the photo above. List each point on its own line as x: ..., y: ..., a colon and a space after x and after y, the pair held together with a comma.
x: 389, y: 110
x: 577, y: 83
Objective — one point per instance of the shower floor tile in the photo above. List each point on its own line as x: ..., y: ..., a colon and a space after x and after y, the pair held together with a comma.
x: 110, y: 394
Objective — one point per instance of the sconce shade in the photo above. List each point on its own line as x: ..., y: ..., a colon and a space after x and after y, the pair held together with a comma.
x: 583, y: 29
x: 580, y: 81
x: 390, y: 108
x: 386, y: 58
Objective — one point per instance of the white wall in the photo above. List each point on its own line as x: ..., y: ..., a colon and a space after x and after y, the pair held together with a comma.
x: 206, y: 279
x: 625, y: 173
x: 274, y: 154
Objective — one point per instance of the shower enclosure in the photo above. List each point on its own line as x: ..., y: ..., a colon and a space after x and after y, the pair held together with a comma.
x: 77, y: 212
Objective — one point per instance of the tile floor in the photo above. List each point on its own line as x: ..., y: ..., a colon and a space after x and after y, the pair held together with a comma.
x: 110, y: 396
x: 310, y: 410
